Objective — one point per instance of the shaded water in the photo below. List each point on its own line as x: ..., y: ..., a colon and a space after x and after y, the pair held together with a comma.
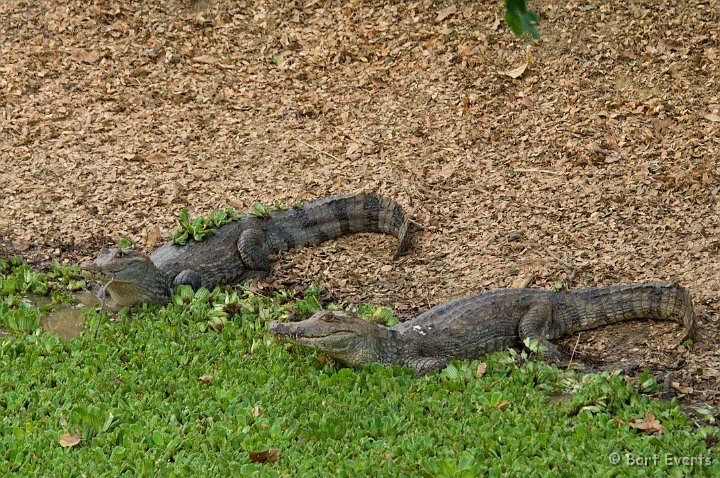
x: 560, y: 397
x: 66, y: 320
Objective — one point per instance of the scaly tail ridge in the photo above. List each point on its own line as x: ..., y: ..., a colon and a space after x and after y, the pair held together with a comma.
x: 647, y: 300
x: 329, y: 218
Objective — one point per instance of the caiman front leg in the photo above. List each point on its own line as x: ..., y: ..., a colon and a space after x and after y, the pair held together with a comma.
x: 424, y: 365
x: 254, y: 251
x: 534, y: 326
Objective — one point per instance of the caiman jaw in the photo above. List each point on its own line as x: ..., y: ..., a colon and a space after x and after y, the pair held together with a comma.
x: 346, y: 338
x: 129, y: 277
x: 89, y: 271
x: 314, y: 339
x: 287, y: 331
x: 116, y: 264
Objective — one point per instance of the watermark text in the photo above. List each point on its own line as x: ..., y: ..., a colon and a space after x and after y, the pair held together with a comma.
x: 630, y: 459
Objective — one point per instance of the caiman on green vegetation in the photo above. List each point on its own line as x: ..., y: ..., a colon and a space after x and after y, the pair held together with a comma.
x: 472, y: 326
x: 240, y: 249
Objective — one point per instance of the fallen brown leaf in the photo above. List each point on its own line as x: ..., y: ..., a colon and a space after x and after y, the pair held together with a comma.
x: 205, y: 378
x: 446, y: 12
x: 353, y: 151
x: 468, y: 50
x: 265, y: 456
x: 256, y: 410
x: 90, y: 56
x: 447, y: 170
x: 206, y: 59
x: 68, y: 440
x: 680, y: 388
x: 153, y: 236
x: 672, y: 45
x: 379, y: 82
x: 649, y: 424
x: 613, y: 157
x: 522, y: 281
x: 156, y: 157
x: 516, y: 72
x: 715, y: 118
x: 480, y: 371
x: 139, y: 71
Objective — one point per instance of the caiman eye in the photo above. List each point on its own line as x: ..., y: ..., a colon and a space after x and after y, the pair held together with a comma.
x: 329, y: 317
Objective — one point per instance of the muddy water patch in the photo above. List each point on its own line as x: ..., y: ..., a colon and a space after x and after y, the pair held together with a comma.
x: 68, y: 322
x: 65, y: 319
x: 560, y: 397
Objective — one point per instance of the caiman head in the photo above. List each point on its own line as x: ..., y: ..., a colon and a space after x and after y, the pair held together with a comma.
x: 348, y: 339
x: 129, y: 277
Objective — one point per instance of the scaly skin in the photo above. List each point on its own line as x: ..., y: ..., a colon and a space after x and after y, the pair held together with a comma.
x: 240, y: 249
x: 472, y: 326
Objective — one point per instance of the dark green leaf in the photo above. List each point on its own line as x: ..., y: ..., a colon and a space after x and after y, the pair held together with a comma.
x: 184, y: 218
x: 519, y: 19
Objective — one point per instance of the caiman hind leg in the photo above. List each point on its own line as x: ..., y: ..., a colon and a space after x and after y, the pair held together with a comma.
x: 534, y: 326
x: 187, y: 277
x: 254, y: 251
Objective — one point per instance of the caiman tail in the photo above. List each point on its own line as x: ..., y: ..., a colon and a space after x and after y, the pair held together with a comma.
x: 333, y: 217
x: 598, y: 306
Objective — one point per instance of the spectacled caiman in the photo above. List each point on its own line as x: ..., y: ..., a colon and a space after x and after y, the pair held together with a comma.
x: 240, y: 249
x: 472, y: 326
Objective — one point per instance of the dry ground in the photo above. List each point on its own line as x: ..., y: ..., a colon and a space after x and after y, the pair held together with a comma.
x: 598, y: 165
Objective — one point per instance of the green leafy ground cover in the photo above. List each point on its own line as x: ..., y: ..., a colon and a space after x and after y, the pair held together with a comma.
x: 198, y: 386
x: 199, y: 227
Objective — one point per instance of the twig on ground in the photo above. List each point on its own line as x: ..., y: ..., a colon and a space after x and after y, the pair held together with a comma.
x: 102, y: 308
x: 534, y: 170
x: 411, y: 214
x: 572, y: 355
x: 319, y: 150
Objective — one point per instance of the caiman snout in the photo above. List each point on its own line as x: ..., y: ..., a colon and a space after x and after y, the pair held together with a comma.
x: 278, y: 328
x: 88, y: 266
x: 90, y: 270
x: 282, y: 331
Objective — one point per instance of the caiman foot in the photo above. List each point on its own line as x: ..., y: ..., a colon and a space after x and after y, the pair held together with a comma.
x: 532, y: 329
x: 254, y: 251
x: 188, y: 277
x: 424, y: 365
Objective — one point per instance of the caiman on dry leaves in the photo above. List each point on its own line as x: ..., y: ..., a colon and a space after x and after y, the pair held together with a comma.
x: 472, y: 326
x: 240, y: 249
